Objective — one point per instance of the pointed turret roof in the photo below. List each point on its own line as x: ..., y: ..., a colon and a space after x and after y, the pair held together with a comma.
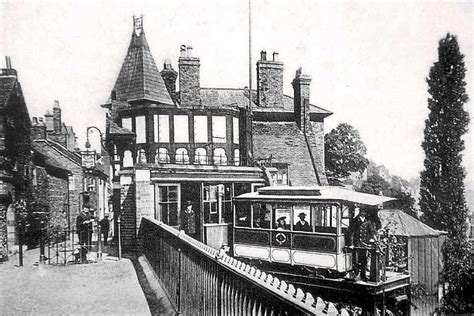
x: 139, y: 78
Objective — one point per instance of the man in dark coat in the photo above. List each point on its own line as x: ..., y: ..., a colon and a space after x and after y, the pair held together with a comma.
x: 82, y: 226
x: 362, y: 234
x: 302, y: 224
x: 188, y: 220
x: 104, y: 228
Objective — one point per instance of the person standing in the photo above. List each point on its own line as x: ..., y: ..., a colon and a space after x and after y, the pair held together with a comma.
x: 362, y: 232
x: 104, y: 228
x: 82, y: 225
x: 188, y: 222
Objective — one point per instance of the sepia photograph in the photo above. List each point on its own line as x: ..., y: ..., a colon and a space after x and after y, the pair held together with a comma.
x: 238, y: 157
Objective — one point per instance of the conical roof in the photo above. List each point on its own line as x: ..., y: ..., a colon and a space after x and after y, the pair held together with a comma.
x: 139, y: 78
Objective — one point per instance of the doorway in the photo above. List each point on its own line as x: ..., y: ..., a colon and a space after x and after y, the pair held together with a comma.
x: 191, y: 192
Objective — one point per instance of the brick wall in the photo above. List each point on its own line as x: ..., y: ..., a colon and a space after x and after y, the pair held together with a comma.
x: 189, y: 81
x: 270, y: 83
x: 316, y: 141
x: 128, y: 212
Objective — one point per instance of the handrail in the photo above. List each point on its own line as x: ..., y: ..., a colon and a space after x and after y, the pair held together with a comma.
x: 280, y: 289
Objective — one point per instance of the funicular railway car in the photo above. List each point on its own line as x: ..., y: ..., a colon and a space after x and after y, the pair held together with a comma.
x: 266, y: 227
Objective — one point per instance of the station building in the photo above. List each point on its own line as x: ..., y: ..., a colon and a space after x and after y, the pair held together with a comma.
x: 169, y: 145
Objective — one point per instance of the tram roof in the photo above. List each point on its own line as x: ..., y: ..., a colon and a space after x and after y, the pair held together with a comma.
x: 312, y: 194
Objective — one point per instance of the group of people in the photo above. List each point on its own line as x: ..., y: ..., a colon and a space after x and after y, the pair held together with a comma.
x: 84, y: 227
x: 301, y: 225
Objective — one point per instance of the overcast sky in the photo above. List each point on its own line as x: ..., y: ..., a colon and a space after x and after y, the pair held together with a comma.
x: 368, y: 60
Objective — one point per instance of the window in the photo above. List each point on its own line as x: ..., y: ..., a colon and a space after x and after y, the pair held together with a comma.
x: 281, y: 174
x: 218, y: 203
x: 163, y: 128
x: 200, y: 156
x: 282, y: 217
x: 127, y: 159
x: 242, y: 215
x: 168, y: 197
x: 218, y: 129
x: 162, y: 156
x: 302, y: 212
x: 220, y: 157
x: 324, y: 216
x: 127, y: 123
x: 141, y: 156
x: 261, y: 215
x: 140, y: 129
x: 236, y: 157
x: 235, y: 129
x: 89, y: 184
x: 181, y: 156
x: 200, y: 129
x: 181, y: 131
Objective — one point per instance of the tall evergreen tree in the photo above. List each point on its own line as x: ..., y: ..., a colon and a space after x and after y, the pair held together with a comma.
x: 442, y: 197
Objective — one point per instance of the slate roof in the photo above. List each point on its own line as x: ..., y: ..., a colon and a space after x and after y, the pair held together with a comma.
x: 117, y: 130
x: 401, y: 224
x: 7, y: 83
x: 73, y: 156
x: 46, y: 157
x: 217, y: 97
x: 139, y: 78
x: 285, y: 142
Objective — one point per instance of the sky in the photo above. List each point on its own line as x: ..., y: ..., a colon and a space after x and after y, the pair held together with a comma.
x: 368, y: 60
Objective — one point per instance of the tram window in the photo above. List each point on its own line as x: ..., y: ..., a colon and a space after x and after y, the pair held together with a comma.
x: 242, y: 215
x: 324, y: 216
x: 261, y: 215
x: 282, y: 218
x: 226, y: 203
x: 346, y: 216
x: 302, y: 218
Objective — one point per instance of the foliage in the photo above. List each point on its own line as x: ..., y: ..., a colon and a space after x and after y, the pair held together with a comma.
x: 344, y: 151
x: 442, y: 197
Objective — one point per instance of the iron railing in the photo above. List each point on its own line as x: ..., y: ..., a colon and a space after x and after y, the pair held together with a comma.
x: 200, y: 280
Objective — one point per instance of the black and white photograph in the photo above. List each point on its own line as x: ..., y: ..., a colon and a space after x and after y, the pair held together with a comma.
x: 236, y: 157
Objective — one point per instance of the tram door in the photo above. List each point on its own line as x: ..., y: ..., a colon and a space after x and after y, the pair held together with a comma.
x: 190, y: 192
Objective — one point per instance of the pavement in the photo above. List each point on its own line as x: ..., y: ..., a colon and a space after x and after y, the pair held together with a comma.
x: 107, y: 287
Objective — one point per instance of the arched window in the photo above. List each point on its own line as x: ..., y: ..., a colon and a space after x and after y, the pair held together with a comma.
x: 162, y: 156
x: 127, y: 159
x: 236, y: 157
x: 141, y: 156
x: 181, y: 156
x: 200, y: 156
x: 220, y: 157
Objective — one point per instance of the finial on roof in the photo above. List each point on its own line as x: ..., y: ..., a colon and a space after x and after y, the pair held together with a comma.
x: 138, y: 24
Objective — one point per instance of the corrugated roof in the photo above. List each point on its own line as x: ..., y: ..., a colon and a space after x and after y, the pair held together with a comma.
x: 400, y: 223
x: 7, y: 83
x: 139, y: 78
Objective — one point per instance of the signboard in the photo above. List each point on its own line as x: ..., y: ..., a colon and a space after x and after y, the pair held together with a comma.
x: 88, y: 159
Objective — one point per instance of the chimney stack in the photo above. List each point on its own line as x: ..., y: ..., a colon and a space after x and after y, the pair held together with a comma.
x: 169, y: 76
x: 301, y: 100
x: 189, y: 78
x: 38, y: 129
x: 49, y: 121
x: 8, y: 70
x: 269, y: 81
x: 57, y: 117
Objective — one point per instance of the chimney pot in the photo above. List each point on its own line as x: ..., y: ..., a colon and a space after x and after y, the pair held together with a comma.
x: 263, y: 55
x: 190, y: 51
x: 275, y: 56
x: 35, y: 120
x: 167, y: 64
x: 56, y: 103
x: 182, y: 50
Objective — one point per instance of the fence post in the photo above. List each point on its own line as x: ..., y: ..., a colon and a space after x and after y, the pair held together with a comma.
x: 20, y: 246
x: 42, y: 256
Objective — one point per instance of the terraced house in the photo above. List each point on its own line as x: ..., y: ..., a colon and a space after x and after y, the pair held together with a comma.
x: 173, y: 141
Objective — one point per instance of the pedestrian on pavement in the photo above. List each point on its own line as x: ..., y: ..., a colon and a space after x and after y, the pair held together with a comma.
x: 188, y: 222
x: 82, y: 226
x: 104, y: 228
x: 362, y: 235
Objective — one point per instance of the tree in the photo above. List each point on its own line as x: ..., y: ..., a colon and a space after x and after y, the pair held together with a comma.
x: 344, y: 151
x: 442, y: 197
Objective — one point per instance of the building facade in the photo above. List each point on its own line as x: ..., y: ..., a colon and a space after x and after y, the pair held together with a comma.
x: 172, y: 144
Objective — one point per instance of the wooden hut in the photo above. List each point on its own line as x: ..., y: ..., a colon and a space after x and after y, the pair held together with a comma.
x: 425, y: 258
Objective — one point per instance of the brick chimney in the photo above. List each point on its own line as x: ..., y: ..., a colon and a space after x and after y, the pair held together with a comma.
x: 8, y: 70
x: 189, y: 78
x: 57, y: 117
x: 301, y: 100
x: 38, y: 129
x: 49, y: 121
x: 269, y: 81
x: 169, y: 76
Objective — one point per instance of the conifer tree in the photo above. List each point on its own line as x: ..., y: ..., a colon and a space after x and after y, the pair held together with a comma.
x: 442, y: 197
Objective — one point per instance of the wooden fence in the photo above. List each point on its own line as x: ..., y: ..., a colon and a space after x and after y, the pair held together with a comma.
x: 200, y: 280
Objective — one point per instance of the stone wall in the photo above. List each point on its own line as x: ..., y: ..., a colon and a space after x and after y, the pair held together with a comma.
x: 128, y: 223
x: 5, y: 189
x: 189, y: 81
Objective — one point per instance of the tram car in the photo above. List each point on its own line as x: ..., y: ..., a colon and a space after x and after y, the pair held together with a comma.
x: 268, y: 228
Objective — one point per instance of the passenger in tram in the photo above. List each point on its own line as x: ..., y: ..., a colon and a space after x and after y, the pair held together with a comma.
x: 281, y: 223
x: 302, y: 224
